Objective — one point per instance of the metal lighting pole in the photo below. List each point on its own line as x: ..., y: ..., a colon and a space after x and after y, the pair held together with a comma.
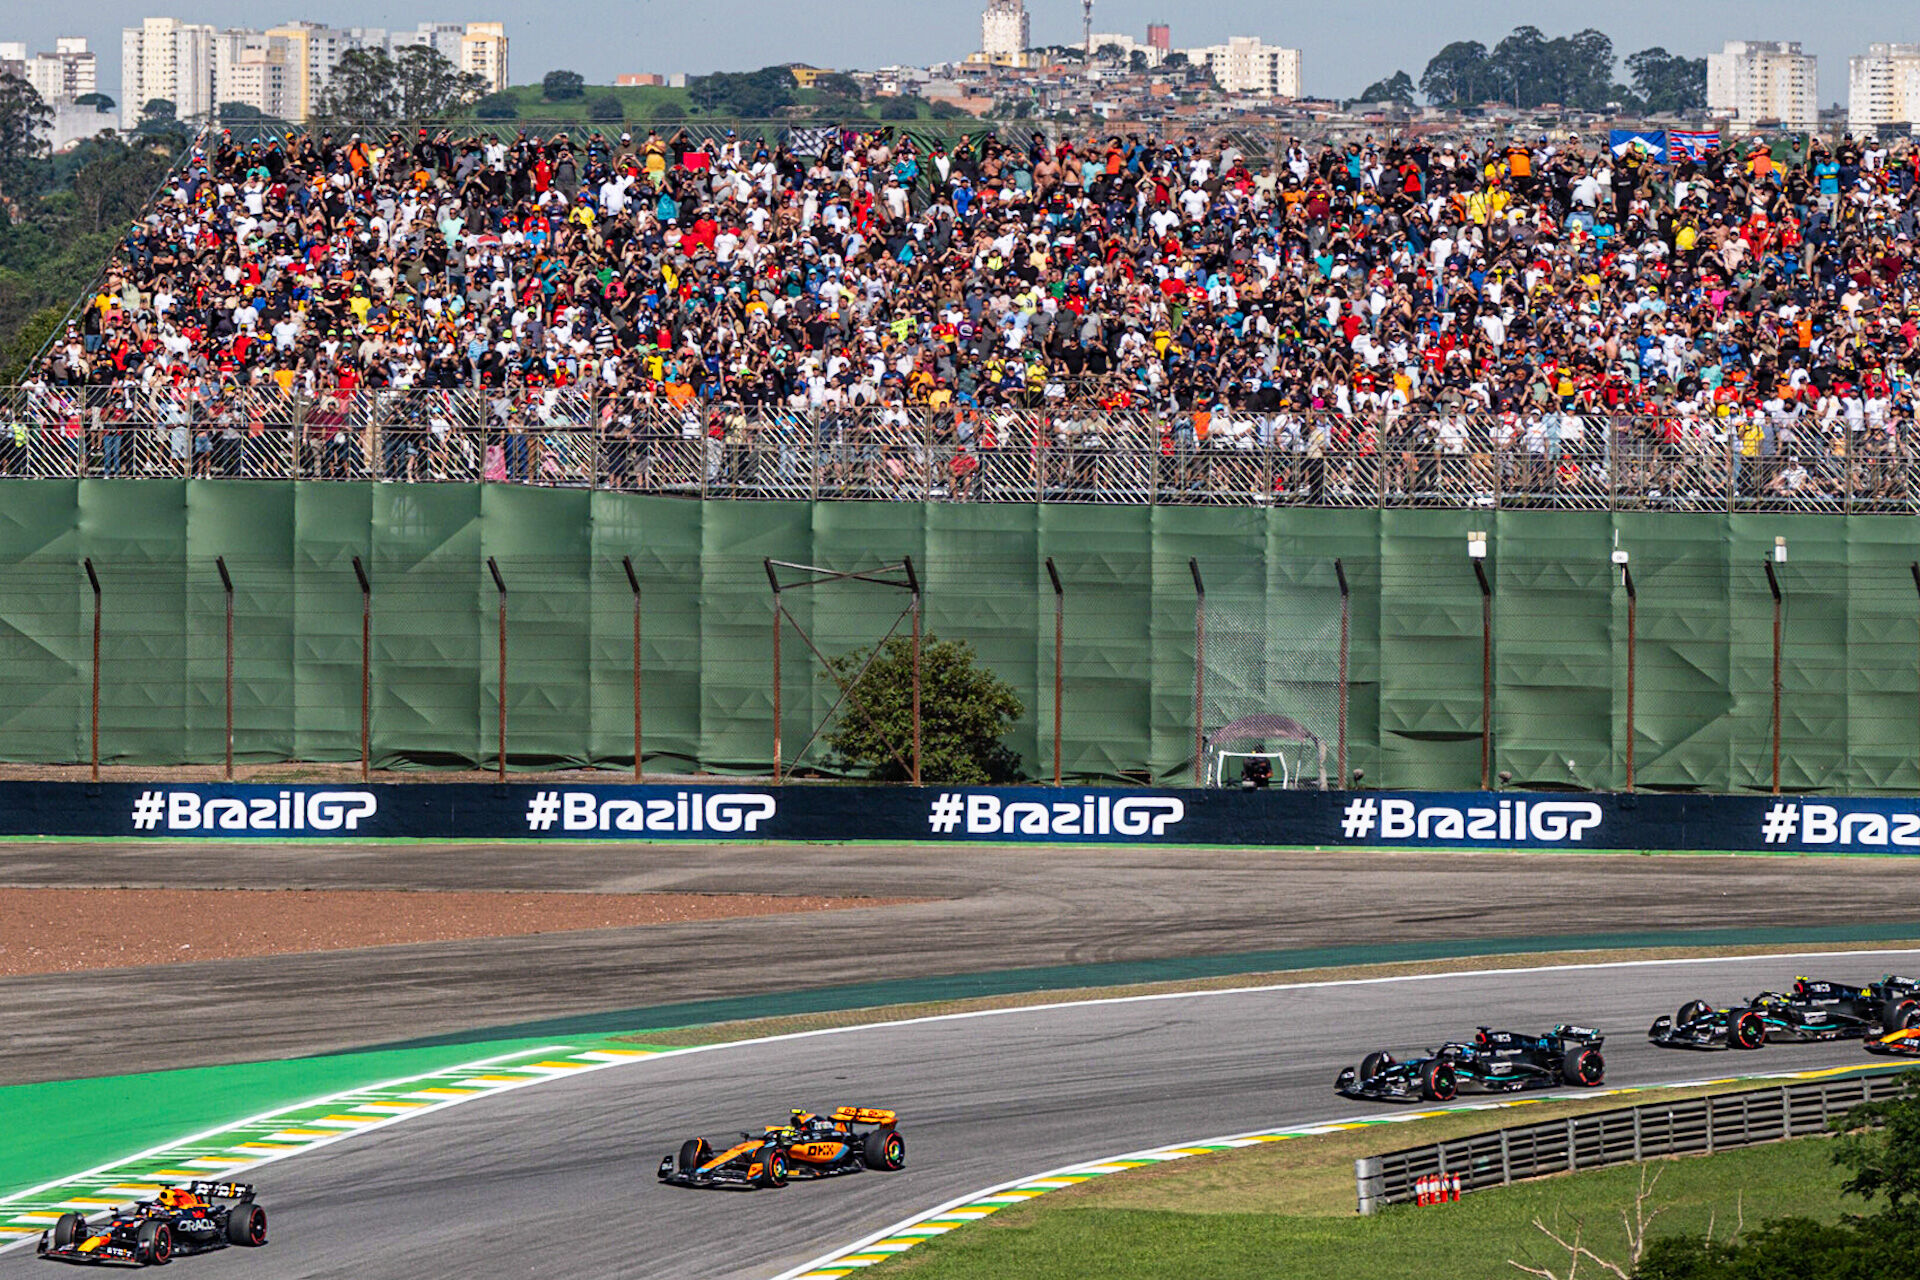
x: 633, y: 580
x: 226, y: 583
x: 1773, y: 585
x: 913, y: 584
x: 1346, y: 623
x: 366, y: 665
x: 1477, y: 551
x: 93, y: 580
x: 1059, y: 638
x: 1633, y: 618
x: 500, y: 585
x: 774, y: 579
x: 1199, y: 667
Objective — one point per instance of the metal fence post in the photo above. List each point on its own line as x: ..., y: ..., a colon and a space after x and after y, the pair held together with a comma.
x: 1346, y: 628
x: 1199, y: 669
x: 633, y: 581
x: 913, y: 583
x: 93, y: 580
x: 1633, y: 638
x: 1773, y: 585
x: 1368, y: 1183
x: 366, y: 665
x: 774, y: 580
x: 1059, y: 638
x: 500, y: 586
x: 1477, y: 550
x: 226, y: 584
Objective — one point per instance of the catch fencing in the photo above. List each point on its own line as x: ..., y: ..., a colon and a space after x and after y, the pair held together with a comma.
x: 1056, y: 444
x: 1696, y: 1126
x: 1146, y: 644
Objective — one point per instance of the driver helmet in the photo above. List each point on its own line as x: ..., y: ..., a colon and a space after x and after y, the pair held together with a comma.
x: 1799, y: 986
x: 798, y: 1119
x: 177, y: 1198
x: 1481, y: 1038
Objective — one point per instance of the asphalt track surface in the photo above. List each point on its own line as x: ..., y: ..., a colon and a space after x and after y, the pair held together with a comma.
x: 987, y: 910
x: 558, y: 1179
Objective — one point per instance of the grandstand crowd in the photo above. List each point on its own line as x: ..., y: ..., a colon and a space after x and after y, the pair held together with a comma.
x: 1401, y: 298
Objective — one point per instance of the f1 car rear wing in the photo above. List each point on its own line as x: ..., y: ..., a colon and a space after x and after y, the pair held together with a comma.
x: 1586, y: 1035
x: 222, y: 1190
x: 864, y: 1115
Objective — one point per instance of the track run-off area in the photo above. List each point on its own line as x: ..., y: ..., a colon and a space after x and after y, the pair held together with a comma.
x: 511, y: 1180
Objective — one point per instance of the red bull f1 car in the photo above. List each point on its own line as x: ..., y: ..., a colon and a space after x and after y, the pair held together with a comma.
x: 197, y: 1218
x: 1492, y: 1062
x: 1813, y: 1010
x: 847, y: 1140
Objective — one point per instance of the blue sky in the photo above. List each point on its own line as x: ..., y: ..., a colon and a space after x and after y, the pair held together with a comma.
x: 1345, y: 48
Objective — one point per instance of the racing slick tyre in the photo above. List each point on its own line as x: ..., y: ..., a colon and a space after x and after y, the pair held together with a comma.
x: 70, y: 1228
x: 1901, y: 1015
x: 154, y: 1245
x: 1373, y: 1064
x: 773, y: 1170
x: 1437, y: 1082
x: 693, y: 1153
x: 884, y: 1149
x: 1747, y: 1031
x: 247, y: 1226
x: 1585, y: 1068
x: 1690, y: 1010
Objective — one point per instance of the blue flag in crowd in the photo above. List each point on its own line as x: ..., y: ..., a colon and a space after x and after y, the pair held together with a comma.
x: 1653, y: 142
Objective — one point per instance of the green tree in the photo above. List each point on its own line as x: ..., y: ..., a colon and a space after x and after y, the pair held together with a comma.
x: 1880, y: 1143
x: 418, y: 84
x: 563, y: 86
x: 1397, y: 87
x: 965, y: 711
x: 1457, y: 76
x: 837, y: 84
x: 25, y: 342
x: 1668, y: 82
x: 98, y: 101
x: 903, y: 107
x: 606, y: 109
x: 748, y: 94
x: 669, y: 110
x: 115, y: 184
x: 497, y: 106
x: 24, y: 119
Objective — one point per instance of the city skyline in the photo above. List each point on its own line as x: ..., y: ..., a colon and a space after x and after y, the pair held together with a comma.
x: 856, y: 33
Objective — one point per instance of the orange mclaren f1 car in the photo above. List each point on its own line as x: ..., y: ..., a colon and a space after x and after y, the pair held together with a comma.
x: 1904, y: 1043
x: 847, y: 1140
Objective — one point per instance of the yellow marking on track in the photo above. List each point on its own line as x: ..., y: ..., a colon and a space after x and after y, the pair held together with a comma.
x: 223, y: 1162
x: 442, y: 1091
x: 303, y: 1133
x: 348, y: 1119
x: 561, y: 1066
x: 500, y: 1079
x: 268, y: 1146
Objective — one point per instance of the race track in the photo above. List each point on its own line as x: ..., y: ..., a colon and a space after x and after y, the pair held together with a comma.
x: 985, y: 910
x: 558, y: 1179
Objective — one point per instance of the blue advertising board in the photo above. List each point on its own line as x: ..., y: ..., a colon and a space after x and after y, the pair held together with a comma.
x: 725, y: 813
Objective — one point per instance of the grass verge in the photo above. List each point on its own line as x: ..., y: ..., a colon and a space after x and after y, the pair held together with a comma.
x: 1286, y: 1209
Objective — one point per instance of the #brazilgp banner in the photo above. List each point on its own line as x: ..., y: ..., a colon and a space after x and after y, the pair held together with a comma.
x: 1025, y: 815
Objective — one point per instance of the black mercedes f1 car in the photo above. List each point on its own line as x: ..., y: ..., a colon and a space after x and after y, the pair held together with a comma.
x: 848, y: 1140
x: 1492, y: 1062
x: 197, y: 1218
x: 1813, y: 1010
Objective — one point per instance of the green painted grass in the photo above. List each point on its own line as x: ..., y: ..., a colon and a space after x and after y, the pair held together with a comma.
x: 59, y: 1128
x: 1090, y: 1234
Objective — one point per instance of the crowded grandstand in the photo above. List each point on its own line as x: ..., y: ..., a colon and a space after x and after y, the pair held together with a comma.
x: 1548, y: 320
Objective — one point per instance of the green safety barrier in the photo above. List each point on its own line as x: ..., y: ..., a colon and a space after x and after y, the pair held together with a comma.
x: 1850, y: 699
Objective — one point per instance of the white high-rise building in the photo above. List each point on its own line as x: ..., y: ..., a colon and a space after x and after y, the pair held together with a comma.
x: 255, y: 69
x: 1883, y: 87
x: 478, y: 48
x: 1005, y: 32
x: 68, y: 72
x: 1749, y: 81
x: 166, y: 58
x: 1244, y: 65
